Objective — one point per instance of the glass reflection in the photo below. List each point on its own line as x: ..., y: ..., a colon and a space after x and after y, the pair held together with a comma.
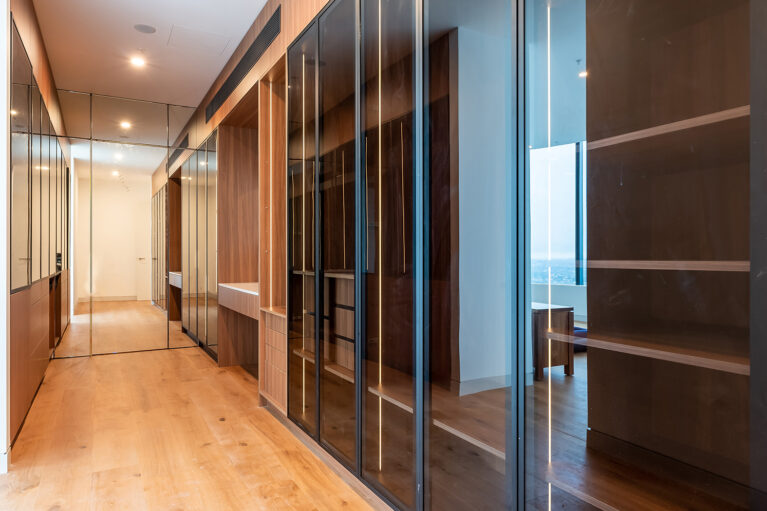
x: 20, y: 122
x: 337, y: 158
x: 469, y: 170
x: 639, y: 375
x: 387, y: 105
x: 212, y: 245
x: 302, y: 374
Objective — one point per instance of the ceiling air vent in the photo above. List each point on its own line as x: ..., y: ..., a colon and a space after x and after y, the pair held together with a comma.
x: 175, y: 154
x: 264, y: 38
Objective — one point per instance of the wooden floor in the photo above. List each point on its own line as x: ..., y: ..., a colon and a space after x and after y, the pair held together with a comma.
x: 165, y: 430
x: 119, y: 327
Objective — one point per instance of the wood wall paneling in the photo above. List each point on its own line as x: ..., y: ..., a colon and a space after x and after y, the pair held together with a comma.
x: 237, y: 204
x: 680, y: 195
x: 174, y: 224
x: 237, y: 340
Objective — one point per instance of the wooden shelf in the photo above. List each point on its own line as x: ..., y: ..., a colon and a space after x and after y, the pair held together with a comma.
x: 698, y: 358
x: 276, y: 310
x: 733, y: 266
x: 664, y: 129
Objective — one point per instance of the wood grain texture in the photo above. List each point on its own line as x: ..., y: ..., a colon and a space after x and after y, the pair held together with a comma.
x: 237, y: 340
x: 162, y: 430
x: 19, y: 358
x: 239, y: 301
x: 264, y: 193
x: 273, y: 371
x: 237, y: 205
x: 174, y: 224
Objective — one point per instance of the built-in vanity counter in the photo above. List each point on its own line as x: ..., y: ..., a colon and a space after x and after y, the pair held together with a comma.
x: 175, y: 279
x: 240, y: 297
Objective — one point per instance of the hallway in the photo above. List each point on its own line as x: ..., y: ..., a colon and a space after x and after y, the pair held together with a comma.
x: 161, y: 430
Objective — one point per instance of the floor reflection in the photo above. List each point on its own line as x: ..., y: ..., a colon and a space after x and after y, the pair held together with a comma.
x: 119, y: 326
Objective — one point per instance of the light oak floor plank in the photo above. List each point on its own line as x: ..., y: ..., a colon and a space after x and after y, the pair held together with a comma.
x: 162, y: 430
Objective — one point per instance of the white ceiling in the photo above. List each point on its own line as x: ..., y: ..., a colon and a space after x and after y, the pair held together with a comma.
x: 127, y: 159
x: 90, y: 42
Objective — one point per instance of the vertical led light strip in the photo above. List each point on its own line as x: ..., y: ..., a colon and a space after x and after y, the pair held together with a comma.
x: 548, y: 219
x: 402, y: 186
x: 303, y: 231
x: 380, y: 252
x: 343, y: 201
x: 271, y: 196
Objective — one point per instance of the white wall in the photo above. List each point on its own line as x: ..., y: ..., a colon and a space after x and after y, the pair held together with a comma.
x: 5, y: 329
x: 121, y: 235
x: 484, y: 68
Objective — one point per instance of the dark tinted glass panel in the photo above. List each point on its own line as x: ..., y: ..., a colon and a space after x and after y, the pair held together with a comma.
x: 45, y: 198
x: 468, y: 129
x: 337, y: 157
x: 302, y: 65
x: 388, y: 445
x: 646, y: 382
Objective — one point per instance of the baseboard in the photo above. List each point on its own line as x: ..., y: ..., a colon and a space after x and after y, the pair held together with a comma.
x: 5, y: 461
x: 109, y: 299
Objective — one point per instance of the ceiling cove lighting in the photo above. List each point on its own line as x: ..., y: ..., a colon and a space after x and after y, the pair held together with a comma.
x: 138, y: 61
x: 583, y: 74
x: 125, y: 125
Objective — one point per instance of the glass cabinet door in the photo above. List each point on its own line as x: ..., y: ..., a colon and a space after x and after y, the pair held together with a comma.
x: 337, y: 156
x: 388, y: 447
x: 302, y: 399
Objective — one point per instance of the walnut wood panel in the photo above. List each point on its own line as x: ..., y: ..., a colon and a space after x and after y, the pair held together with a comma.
x: 19, y: 364
x: 237, y: 340
x: 64, y: 300
x: 669, y: 195
x: 273, y: 192
x: 174, y: 224
x: 30, y: 351
x: 264, y: 192
x: 693, y: 60
x: 237, y: 205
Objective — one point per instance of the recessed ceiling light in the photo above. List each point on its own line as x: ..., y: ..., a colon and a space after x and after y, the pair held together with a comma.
x: 118, y: 156
x: 125, y: 125
x: 14, y: 113
x: 145, y: 29
x: 138, y: 61
x: 583, y: 74
x: 39, y: 167
x: 115, y: 172
x: 203, y: 163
